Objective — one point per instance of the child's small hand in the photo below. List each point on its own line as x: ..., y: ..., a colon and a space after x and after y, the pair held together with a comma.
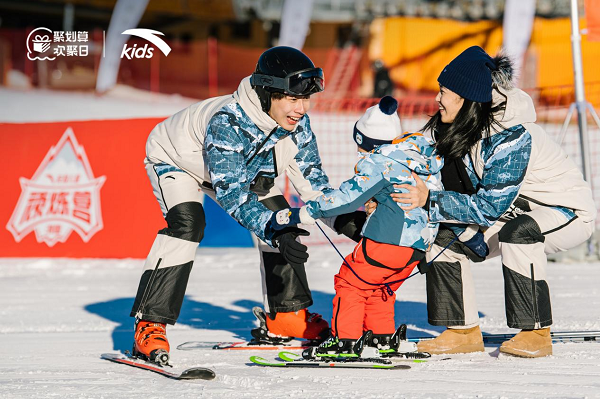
x: 370, y: 207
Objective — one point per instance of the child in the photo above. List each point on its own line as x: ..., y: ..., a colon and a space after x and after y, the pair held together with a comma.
x: 393, y: 241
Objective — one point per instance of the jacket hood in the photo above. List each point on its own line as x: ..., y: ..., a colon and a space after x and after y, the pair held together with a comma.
x: 415, y: 151
x: 247, y: 98
x: 519, y: 108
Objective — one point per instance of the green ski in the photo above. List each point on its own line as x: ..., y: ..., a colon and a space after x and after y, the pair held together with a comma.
x: 290, y: 359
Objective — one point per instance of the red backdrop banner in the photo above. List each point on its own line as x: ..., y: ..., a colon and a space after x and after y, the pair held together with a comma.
x: 77, y: 189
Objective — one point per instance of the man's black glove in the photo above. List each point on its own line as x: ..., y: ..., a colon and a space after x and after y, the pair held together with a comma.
x: 292, y: 251
x: 350, y: 224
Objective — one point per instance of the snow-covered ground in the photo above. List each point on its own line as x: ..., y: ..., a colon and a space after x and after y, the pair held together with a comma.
x: 121, y: 102
x: 59, y: 315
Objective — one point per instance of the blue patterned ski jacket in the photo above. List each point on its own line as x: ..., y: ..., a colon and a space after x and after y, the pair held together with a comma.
x: 375, y: 175
x: 515, y: 170
x: 238, y: 151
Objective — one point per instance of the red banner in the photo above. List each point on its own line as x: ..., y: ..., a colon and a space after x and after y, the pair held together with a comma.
x: 592, y: 15
x: 77, y: 189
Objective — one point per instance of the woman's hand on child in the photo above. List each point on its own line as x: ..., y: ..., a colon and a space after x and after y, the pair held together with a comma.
x: 416, y: 195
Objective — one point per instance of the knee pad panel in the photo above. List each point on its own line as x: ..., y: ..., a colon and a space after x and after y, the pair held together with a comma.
x: 186, y: 221
x: 521, y: 230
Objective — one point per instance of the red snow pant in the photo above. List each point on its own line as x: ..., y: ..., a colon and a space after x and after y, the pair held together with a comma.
x: 359, y: 306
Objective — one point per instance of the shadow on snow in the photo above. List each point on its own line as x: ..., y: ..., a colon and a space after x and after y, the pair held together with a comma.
x: 204, y: 315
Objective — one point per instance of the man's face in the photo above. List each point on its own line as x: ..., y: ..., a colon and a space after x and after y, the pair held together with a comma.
x: 288, y: 111
x: 450, y: 103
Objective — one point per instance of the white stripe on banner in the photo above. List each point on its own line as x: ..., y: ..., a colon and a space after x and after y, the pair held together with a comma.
x: 295, y: 21
x: 517, y: 27
x: 126, y: 15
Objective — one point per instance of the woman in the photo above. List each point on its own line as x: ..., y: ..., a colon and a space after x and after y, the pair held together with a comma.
x: 506, y: 175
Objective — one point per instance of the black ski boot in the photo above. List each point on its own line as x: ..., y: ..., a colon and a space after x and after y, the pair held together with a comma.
x: 338, y: 348
x: 389, y: 341
x: 396, y: 345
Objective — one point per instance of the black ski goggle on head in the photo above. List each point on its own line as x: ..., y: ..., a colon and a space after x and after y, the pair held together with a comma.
x: 300, y: 83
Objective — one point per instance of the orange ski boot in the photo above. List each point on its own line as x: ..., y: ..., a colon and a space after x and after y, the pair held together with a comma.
x: 150, y: 342
x: 300, y: 324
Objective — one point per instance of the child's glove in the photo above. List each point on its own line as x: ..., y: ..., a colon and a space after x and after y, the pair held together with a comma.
x: 289, y: 217
x: 350, y: 224
x: 285, y: 218
x: 478, y: 245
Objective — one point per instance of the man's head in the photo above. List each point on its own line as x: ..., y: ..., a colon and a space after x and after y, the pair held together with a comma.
x: 288, y: 110
x: 285, y: 76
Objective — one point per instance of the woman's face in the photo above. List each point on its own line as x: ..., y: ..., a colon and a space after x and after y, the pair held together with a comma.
x: 449, y: 103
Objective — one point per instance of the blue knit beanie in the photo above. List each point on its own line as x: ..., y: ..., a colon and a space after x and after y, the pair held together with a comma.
x: 470, y: 75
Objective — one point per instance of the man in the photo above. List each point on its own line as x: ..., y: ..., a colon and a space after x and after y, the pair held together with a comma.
x: 232, y: 148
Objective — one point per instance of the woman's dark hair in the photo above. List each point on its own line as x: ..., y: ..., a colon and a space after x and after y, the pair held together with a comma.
x: 473, y: 122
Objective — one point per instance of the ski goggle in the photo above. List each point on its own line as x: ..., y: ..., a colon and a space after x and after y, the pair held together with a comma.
x: 300, y: 83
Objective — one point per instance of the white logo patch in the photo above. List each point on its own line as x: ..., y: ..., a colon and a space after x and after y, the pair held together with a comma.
x: 144, y: 52
x: 283, y: 217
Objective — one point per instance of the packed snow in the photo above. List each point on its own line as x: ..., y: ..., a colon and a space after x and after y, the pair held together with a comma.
x: 121, y: 102
x: 60, y: 315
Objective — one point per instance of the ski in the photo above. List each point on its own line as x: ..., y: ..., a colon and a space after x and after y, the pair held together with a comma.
x: 261, y: 339
x: 297, y: 344
x: 416, y: 357
x: 293, y: 344
x: 386, y: 354
x: 290, y: 359
x: 194, y: 373
x: 559, y: 336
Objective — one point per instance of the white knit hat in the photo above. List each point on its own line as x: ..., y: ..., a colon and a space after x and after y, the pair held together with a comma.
x: 379, y: 125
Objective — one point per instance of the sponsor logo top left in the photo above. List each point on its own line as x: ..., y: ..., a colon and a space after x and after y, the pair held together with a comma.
x: 44, y: 44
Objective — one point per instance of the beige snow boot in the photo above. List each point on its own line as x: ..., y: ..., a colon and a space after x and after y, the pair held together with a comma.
x: 529, y: 343
x: 454, y: 340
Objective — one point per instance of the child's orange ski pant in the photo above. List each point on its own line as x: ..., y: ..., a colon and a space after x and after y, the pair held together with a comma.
x: 358, y: 306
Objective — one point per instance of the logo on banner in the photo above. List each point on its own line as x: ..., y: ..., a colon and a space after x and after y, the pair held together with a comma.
x: 43, y: 44
x: 62, y: 196
x: 146, y: 51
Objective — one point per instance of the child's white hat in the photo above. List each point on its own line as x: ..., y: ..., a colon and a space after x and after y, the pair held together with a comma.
x: 379, y: 125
